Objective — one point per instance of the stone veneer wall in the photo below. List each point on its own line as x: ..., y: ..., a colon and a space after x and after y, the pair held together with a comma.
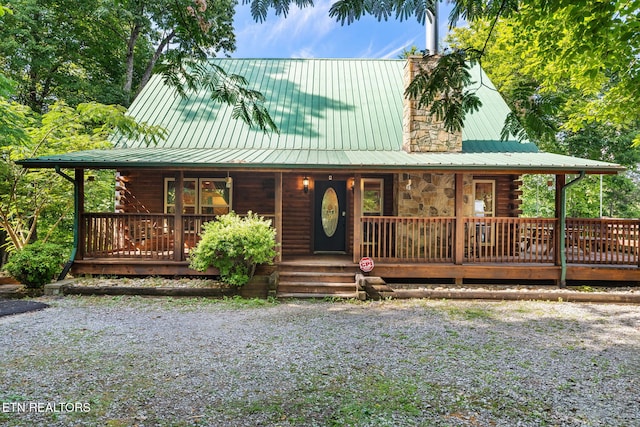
x: 421, y: 131
x: 431, y: 194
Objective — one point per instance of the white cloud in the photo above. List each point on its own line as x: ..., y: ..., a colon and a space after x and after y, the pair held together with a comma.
x: 301, y: 26
x: 310, y: 21
x: 391, y: 50
x: 305, y: 52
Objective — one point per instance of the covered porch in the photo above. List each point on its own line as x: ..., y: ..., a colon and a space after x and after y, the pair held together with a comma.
x: 401, y: 247
x: 455, y: 248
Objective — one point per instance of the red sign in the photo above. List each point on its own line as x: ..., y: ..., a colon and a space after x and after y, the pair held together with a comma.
x: 366, y: 264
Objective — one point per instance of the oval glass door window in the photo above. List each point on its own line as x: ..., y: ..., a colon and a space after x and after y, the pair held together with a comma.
x: 330, y: 212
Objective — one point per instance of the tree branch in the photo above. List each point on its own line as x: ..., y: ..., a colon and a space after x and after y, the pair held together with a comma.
x: 154, y: 59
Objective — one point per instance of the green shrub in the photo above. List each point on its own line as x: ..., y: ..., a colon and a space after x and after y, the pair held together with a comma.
x: 36, y: 264
x: 235, y: 245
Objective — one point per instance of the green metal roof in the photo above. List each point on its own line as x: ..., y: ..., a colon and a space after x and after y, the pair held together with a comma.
x: 229, y: 159
x: 498, y: 147
x: 331, y: 113
x: 317, y: 104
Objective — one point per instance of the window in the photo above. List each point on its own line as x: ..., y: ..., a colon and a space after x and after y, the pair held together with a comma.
x: 484, y: 198
x: 372, y: 197
x: 484, y: 206
x: 200, y: 196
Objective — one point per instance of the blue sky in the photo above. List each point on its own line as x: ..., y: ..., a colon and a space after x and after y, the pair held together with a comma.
x: 311, y: 33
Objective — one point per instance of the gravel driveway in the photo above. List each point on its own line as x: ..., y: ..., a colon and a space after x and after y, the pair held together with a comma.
x: 180, y: 362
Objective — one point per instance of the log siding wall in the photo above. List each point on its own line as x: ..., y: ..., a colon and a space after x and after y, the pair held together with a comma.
x: 256, y: 192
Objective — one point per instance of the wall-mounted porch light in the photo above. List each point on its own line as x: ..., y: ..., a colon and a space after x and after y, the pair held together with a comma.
x: 305, y: 184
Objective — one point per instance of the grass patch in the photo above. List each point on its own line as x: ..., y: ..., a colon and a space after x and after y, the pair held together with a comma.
x: 318, y: 400
x: 182, y: 303
x: 585, y: 288
x: 469, y: 313
x: 149, y: 282
x: 369, y: 399
x: 384, y: 401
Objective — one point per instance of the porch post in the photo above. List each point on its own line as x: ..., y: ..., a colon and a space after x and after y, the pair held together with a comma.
x: 78, y: 206
x: 278, y: 214
x: 79, y: 237
x: 458, y: 248
x: 357, y: 217
x: 178, y: 229
x: 560, y: 183
x: 563, y: 225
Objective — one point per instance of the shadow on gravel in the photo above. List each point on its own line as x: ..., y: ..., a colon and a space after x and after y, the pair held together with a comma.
x: 8, y: 307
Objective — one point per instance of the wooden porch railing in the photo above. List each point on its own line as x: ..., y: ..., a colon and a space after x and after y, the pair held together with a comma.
x: 392, y: 239
x: 603, y: 241
x: 138, y: 235
x: 501, y: 240
x: 131, y: 235
x: 407, y: 239
x: 192, y: 226
x: 509, y: 240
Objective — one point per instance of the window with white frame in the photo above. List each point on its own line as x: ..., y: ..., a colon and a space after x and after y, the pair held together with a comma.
x: 207, y: 196
x: 484, y: 197
x: 484, y: 205
x: 372, y: 196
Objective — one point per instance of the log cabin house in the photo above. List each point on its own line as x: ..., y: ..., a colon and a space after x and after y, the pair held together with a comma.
x: 355, y: 171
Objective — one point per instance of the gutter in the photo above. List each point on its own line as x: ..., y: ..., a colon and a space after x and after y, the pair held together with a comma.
x: 563, y: 228
x: 284, y: 167
x: 76, y: 223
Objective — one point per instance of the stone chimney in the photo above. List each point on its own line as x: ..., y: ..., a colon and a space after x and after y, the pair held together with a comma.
x: 421, y: 132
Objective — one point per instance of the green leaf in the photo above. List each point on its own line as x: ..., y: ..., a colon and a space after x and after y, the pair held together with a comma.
x: 443, y: 88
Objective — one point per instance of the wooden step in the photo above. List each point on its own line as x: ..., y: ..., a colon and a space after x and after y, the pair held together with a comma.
x: 321, y: 287
x: 317, y: 277
x: 378, y: 292
x: 329, y: 269
x: 305, y: 276
x: 376, y: 288
x: 316, y: 280
x: 342, y: 295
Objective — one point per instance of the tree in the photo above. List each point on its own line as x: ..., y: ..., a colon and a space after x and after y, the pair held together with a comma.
x: 28, y: 195
x: 545, y: 79
x: 11, y: 116
x: 549, y: 116
x: 178, y: 30
x: 57, y: 50
x: 53, y: 51
x: 182, y: 35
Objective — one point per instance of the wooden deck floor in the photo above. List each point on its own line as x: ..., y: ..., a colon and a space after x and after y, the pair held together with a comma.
x: 512, y: 271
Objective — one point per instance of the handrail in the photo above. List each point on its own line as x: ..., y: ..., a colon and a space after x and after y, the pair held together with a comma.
x: 502, y: 240
x: 416, y: 239
x: 509, y: 240
x: 139, y: 235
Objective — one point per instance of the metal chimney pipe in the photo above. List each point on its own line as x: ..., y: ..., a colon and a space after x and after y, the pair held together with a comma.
x: 431, y: 27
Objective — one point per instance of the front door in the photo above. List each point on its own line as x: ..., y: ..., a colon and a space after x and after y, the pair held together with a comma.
x: 330, y: 216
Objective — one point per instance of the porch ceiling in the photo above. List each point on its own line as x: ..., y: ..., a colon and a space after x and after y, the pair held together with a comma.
x: 234, y: 159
